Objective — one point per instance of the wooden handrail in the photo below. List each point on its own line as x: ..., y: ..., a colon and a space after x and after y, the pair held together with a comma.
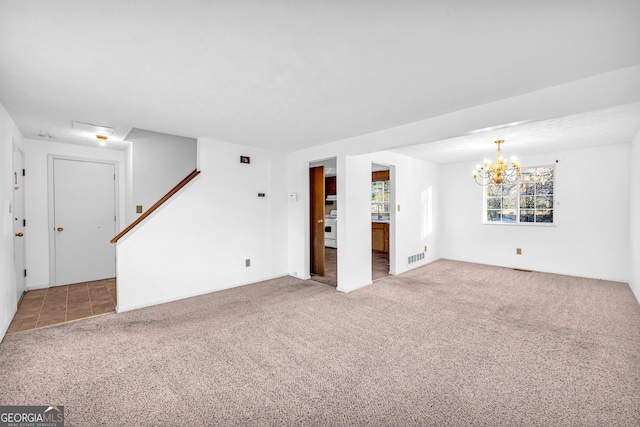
x: 159, y: 203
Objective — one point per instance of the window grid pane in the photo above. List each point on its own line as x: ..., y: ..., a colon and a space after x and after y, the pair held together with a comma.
x: 380, y: 197
x: 529, y: 202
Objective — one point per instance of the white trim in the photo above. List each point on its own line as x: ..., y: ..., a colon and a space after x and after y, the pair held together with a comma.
x: 120, y: 309
x: 301, y: 277
x: 393, y: 210
x: 4, y: 326
x: 518, y: 208
x: 51, y: 207
x: 17, y: 148
x: 522, y: 224
x: 355, y: 288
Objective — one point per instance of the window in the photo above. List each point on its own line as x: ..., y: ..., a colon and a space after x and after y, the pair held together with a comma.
x: 530, y: 201
x: 380, y: 198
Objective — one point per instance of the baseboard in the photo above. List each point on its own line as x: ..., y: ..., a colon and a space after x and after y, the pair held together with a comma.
x: 21, y: 298
x: 355, y: 288
x: 122, y: 309
x: 635, y: 289
x: 4, y: 327
x: 416, y: 265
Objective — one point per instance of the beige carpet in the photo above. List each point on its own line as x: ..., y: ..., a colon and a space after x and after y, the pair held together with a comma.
x: 449, y: 344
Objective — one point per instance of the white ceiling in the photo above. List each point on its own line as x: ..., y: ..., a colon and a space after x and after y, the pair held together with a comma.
x: 290, y: 74
x: 615, y: 125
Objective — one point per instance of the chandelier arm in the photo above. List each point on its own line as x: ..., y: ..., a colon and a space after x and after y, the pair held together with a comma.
x: 481, y: 184
x: 499, y: 173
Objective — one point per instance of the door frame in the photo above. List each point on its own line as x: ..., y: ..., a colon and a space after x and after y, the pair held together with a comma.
x: 17, y: 148
x: 314, y: 234
x: 392, y: 215
x: 51, y: 204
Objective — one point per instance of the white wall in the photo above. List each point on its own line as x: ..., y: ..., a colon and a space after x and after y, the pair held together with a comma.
x: 36, y: 199
x: 634, y: 234
x: 415, y: 187
x: 158, y: 162
x: 9, y: 134
x: 129, y: 207
x: 353, y: 223
x: 412, y: 181
x: 590, y: 237
x: 588, y: 94
x: 417, y: 191
x: 199, y: 240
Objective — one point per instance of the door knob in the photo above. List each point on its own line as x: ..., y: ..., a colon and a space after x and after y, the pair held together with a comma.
x: 19, y: 234
x: 60, y: 228
x: 320, y: 221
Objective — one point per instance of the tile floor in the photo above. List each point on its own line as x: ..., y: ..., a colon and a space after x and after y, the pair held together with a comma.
x: 60, y: 304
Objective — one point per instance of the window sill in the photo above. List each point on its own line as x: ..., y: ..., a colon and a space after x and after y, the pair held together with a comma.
x: 521, y: 224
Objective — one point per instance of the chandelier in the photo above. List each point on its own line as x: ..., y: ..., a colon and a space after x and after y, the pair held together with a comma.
x: 499, y: 172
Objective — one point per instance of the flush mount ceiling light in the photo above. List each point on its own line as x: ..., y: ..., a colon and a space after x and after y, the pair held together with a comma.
x: 499, y: 172
x: 91, y: 130
x: 102, y: 139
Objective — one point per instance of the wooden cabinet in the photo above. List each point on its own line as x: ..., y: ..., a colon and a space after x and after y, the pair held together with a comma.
x: 380, y: 176
x: 380, y: 236
x: 330, y: 185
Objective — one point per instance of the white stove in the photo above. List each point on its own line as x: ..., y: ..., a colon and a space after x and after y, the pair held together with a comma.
x: 331, y: 229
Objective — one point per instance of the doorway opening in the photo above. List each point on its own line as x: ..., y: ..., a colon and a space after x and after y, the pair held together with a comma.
x: 381, y: 213
x: 323, y: 210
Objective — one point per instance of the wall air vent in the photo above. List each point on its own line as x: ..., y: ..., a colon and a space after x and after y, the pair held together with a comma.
x: 416, y: 258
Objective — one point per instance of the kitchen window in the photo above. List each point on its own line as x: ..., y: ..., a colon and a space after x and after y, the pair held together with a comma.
x: 380, y: 198
x: 529, y: 202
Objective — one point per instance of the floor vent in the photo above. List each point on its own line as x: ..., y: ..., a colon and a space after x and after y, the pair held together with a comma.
x: 416, y: 257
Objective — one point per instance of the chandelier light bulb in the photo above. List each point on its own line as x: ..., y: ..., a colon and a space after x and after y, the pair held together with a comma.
x: 500, y: 172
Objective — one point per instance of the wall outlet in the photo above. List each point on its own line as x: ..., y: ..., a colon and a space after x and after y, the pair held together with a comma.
x: 425, y: 248
x: 518, y: 251
x: 398, y: 208
x: 247, y: 262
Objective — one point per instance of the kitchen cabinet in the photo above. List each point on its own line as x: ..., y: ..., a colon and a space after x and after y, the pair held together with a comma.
x: 380, y: 176
x: 330, y: 185
x: 380, y: 236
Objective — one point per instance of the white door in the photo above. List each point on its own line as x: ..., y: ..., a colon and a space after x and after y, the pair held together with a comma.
x: 19, y: 222
x: 84, y: 220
